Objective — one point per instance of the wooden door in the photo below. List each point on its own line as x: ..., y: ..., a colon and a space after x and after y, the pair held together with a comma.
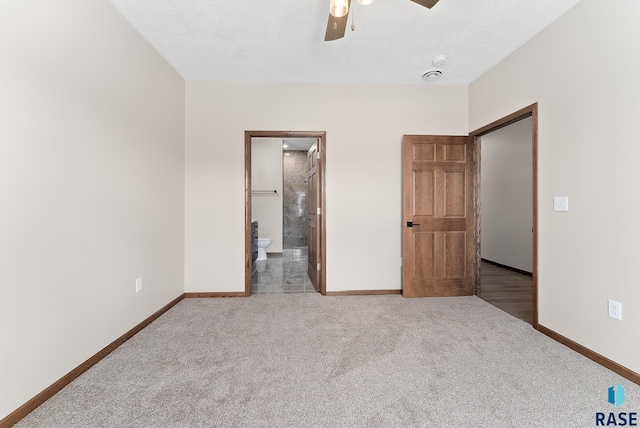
x: 313, y: 214
x: 437, y: 209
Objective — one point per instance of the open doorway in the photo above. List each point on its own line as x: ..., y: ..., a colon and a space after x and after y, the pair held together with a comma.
x: 507, y: 219
x: 284, y: 218
x: 506, y: 177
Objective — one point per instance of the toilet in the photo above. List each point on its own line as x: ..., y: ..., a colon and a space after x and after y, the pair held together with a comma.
x: 263, y: 243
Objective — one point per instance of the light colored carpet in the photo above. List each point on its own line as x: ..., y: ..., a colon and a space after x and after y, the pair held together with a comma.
x: 303, y: 360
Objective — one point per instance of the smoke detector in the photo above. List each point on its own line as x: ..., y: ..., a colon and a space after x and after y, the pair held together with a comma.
x: 439, y: 61
x: 432, y: 75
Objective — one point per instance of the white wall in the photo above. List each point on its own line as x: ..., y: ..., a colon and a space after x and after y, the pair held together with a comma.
x: 364, y: 126
x: 91, y: 185
x: 505, y: 196
x: 583, y: 72
x: 266, y: 174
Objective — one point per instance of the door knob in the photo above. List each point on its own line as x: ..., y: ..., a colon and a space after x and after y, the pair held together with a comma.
x: 411, y: 224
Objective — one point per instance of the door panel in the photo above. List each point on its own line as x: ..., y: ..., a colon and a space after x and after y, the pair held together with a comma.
x: 424, y: 245
x: 313, y: 203
x: 438, y: 243
x: 454, y: 193
x: 454, y: 153
x: 425, y: 182
x: 454, y: 254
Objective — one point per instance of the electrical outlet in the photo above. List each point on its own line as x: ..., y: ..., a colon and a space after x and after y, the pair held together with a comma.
x: 138, y: 285
x: 615, y: 310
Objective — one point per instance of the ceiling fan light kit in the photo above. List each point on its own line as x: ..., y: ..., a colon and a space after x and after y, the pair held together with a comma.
x: 339, y: 8
x: 339, y: 13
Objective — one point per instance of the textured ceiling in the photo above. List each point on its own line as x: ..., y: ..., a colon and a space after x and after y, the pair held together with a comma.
x: 283, y: 40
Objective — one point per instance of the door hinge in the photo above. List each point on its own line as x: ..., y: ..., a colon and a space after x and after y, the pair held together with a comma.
x: 319, y: 211
x: 319, y: 266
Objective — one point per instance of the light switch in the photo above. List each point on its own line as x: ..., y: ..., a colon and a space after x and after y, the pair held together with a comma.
x: 561, y: 203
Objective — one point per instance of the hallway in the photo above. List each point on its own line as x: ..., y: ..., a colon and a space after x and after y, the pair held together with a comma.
x: 507, y: 290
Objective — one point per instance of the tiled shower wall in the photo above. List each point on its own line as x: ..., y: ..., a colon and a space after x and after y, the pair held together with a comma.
x: 294, y: 199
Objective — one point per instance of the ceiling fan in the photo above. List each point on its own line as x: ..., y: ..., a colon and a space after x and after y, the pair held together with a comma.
x: 339, y: 14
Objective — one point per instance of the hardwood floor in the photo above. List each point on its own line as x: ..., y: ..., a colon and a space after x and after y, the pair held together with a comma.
x: 507, y: 290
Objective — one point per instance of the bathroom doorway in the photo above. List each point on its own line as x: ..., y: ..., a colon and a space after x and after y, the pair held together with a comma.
x: 284, y: 212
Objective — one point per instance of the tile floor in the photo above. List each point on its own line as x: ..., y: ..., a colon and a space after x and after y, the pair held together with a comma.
x: 286, y: 273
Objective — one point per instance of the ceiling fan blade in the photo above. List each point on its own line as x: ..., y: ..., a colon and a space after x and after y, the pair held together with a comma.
x: 336, y: 26
x: 426, y: 3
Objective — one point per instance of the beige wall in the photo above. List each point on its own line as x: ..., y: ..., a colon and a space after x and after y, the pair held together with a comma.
x: 91, y: 185
x: 505, y: 196
x: 583, y: 72
x: 364, y: 126
x: 267, y: 174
